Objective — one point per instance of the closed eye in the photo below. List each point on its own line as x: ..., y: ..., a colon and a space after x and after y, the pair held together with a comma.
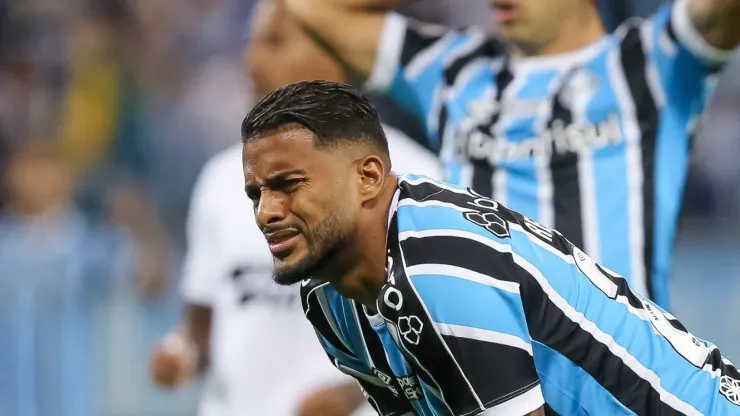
x: 290, y: 185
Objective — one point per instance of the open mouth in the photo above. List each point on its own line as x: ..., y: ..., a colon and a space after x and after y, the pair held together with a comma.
x: 281, y: 242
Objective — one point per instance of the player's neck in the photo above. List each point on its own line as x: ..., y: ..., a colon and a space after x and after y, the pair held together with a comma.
x: 576, y: 33
x: 364, y: 273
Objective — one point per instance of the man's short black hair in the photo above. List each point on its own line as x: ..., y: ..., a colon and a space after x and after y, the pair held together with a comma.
x: 335, y: 113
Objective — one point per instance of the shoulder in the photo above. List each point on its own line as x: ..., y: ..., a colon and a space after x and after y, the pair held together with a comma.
x: 427, y: 204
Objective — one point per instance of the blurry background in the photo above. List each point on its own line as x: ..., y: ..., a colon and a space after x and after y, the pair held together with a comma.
x: 108, y: 110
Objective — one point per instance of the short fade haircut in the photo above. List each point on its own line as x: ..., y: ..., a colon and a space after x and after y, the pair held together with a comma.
x: 335, y: 113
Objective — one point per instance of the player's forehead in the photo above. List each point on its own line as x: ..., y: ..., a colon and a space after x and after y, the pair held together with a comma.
x: 283, y: 150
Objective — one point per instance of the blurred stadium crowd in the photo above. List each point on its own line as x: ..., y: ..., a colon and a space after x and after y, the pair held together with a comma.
x: 108, y: 111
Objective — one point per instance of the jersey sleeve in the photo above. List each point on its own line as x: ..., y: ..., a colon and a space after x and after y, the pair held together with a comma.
x: 201, y: 264
x: 462, y: 317
x: 411, y: 63
x: 682, y: 62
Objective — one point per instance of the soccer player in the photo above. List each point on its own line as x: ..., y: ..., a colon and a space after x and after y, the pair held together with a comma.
x: 582, y: 131
x: 249, y: 334
x: 440, y: 301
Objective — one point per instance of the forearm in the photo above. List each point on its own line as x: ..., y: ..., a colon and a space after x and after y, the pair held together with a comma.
x: 717, y: 21
x: 348, y: 30
x: 197, y: 329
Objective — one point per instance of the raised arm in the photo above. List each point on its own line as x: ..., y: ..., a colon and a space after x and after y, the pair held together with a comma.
x: 348, y: 29
x: 716, y: 21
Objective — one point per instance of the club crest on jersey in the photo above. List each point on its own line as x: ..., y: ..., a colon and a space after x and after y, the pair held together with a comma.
x: 579, y: 89
x: 410, y: 328
x: 730, y: 388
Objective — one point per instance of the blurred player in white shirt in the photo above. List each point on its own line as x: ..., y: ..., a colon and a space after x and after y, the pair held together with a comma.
x: 228, y: 285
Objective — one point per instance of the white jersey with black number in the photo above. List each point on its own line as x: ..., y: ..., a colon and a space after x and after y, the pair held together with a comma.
x: 264, y: 356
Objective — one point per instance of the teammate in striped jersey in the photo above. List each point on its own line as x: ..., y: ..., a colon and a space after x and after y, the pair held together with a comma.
x: 584, y: 132
x: 440, y: 301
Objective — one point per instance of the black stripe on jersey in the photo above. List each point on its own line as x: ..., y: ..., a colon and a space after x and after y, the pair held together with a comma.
x: 445, y: 373
x: 670, y: 30
x: 487, y: 49
x: 480, y: 359
x: 375, y: 350
x: 461, y: 252
x: 483, y: 170
x: 418, y: 39
x: 550, y: 326
x: 442, y: 121
x: 635, y: 67
x: 428, y: 191
x: 315, y: 315
x: 565, y: 180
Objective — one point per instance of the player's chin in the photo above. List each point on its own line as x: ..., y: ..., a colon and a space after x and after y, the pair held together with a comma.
x: 291, y: 269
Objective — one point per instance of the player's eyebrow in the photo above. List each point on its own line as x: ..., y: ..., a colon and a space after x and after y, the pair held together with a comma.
x: 275, y: 178
x: 283, y: 174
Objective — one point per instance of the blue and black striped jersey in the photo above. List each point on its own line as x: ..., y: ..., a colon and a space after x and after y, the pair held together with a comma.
x: 485, y: 311
x: 593, y: 142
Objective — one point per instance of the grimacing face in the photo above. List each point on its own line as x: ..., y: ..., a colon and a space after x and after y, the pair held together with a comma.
x: 530, y: 24
x: 303, y: 197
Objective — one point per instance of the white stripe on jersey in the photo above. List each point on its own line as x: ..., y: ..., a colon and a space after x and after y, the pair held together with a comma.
x: 571, y: 313
x: 431, y: 203
x: 484, y: 335
x: 475, y: 39
x: 472, y: 68
x: 437, y: 103
x: 355, y: 314
x: 545, y: 191
x: 652, y: 77
x: 520, y: 405
x: 441, y: 340
x: 321, y: 296
x: 358, y: 374
x: 607, y: 340
x: 423, y: 59
x: 466, y: 175
x: 639, y: 313
x: 633, y: 142
x: 462, y: 273
x: 589, y: 215
x: 587, y: 187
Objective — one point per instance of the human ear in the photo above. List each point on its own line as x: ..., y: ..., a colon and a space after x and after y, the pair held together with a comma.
x: 371, y: 172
